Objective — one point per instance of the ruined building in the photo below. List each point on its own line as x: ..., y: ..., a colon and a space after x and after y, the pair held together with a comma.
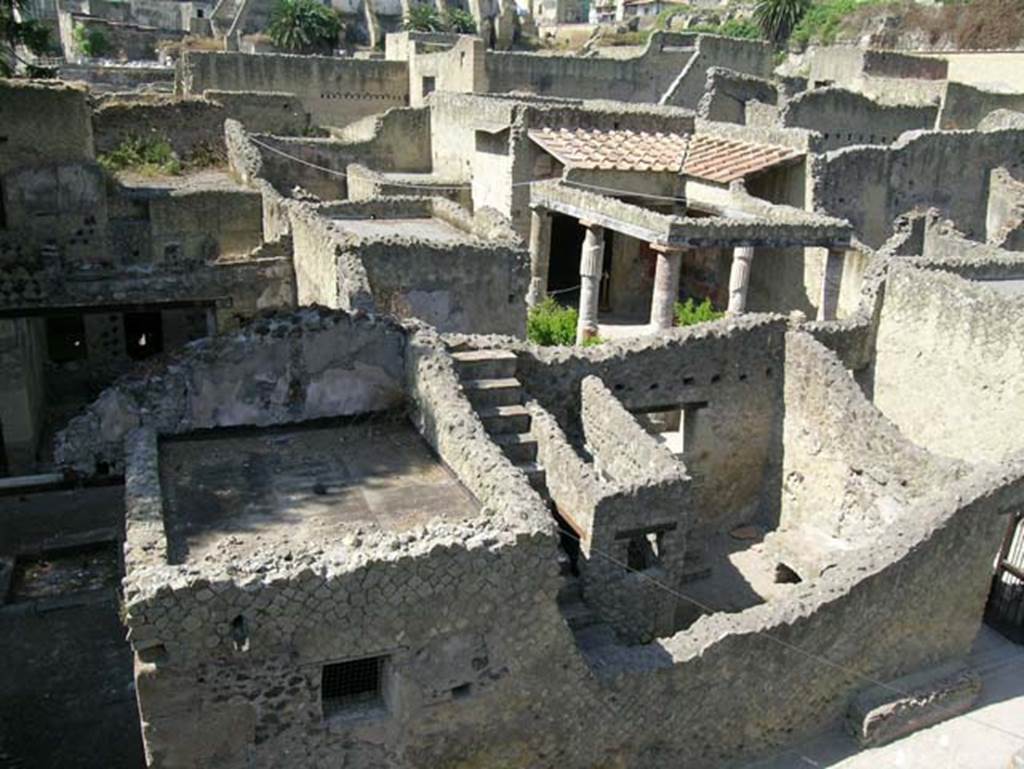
x: 279, y: 421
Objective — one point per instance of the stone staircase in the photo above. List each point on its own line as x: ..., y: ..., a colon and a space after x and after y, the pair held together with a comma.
x: 489, y: 381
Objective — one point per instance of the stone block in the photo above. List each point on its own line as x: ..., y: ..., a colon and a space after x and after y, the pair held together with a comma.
x: 882, y: 714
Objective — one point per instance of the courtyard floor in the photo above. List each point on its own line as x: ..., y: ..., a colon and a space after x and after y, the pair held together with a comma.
x: 971, y: 741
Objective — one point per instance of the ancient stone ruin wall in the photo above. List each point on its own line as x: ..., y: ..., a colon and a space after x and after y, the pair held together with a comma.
x: 1004, y: 221
x: 726, y: 94
x: 333, y: 91
x: 845, y: 117
x: 278, y: 370
x: 848, y: 472
x: 946, y: 343
x: 871, y: 186
x: 207, y: 691
x: 686, y: 85
x: 735, y: 467
x: 22, y: 352
x: 643, y: 78
x: 397, y: 140
x: 965, y: 106
x: 229, y: 652
x: 193, y: 124
x: 124, y: 41
x: 652, y: 498
x: 43, y: 124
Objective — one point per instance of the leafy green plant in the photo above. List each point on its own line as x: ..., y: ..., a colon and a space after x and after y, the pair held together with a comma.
x: 423, y: 18
x: 549, y: 323
x: 91, y: 42
x: 778, y: 18
x: 460, y: 21
x: 738, y: 28
x: 689, y: 313
x: 16, y: 30
x: 303, y: 25
x: 151, y: 155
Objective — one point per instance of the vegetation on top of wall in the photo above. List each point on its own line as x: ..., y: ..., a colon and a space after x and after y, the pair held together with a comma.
x: 91, y: 42
x: 153, y: 155
x: 426, y: 18
x: 304, y: 26
x: 460, y: 21
x: 30, y: 33
x: 423, y: 18
x: 689, y: 313
x: 743, y: 29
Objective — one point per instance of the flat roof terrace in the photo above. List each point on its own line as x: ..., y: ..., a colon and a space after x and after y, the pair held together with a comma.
x: 422, y: 228
x: 229, y: 492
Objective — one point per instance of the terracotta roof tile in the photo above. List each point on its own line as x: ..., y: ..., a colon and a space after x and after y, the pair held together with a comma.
x: 704, y: 156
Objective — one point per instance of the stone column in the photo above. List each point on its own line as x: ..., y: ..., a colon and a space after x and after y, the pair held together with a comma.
x: 831, y: 281
x: 591, y: 262
x: 739, y: 279
x: 540, y: 256
x: 666, y: 287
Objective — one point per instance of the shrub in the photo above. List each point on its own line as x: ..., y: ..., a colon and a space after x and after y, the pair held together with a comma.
x: 303, y: 25
x: 460, y: 21
x: 152, y: 156
x: 91, y: 42
x: 822, y: 21
x: 549, y: 323
x: 738, y: 28
x: 423, y: 18
x: 689, y: 314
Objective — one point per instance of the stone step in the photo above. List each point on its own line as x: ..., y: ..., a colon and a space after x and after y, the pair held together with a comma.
x: 493, y: 392
x: 505, y: 419
x: 536, y: 475
x: 485, y: 364
x: 519, y: 447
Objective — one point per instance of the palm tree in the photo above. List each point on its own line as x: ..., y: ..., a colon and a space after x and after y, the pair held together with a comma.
x: 303, y: 25
x: 776, y: 18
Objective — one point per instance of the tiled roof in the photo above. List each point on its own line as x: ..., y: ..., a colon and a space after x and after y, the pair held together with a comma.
x: 703, y: 156
x: 614, y: 150
x: 718, y: 159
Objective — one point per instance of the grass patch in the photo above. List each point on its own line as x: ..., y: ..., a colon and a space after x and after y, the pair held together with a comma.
x: 689, y: 313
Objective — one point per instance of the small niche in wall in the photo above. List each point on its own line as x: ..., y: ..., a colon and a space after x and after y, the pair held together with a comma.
x: 786, y: 575
x: 240, y: 634
x: 143, y: 334
x: 429, y: 85
x: 65, y: 338
x: 354, y: 687
x: 462, y: 691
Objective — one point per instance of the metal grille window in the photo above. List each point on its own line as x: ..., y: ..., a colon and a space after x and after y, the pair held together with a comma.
x: 1005, y: 610
x: 355, y: 685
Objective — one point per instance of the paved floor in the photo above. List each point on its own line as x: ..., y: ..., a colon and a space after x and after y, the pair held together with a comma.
x: 976, y: 740
x: 240, y: 491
